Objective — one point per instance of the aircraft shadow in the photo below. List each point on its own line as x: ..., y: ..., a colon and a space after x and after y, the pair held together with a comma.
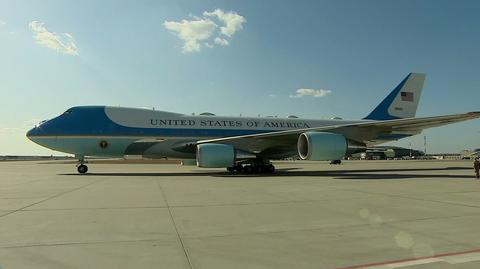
x: 368, y: 174
x: 176, y: 174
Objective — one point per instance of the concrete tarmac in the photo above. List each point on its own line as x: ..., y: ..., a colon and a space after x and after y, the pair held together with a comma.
x: 361, y: 214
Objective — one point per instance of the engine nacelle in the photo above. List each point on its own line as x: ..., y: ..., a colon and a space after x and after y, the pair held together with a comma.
x: 215, y: 155
x: 322, y: 146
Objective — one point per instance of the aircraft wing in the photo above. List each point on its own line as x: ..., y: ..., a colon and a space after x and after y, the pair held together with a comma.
x: 368, y: 132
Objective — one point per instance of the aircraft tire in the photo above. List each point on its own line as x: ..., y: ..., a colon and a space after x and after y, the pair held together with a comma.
x: 270, y: 168
x: 238, y: 168
x: 260, y: 169
x: 82, y: 169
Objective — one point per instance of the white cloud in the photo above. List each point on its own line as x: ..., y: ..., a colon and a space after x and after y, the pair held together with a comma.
x: 221, y: 41
x: 192, y: 32
x: 60, y: 42
x: 310, y: 92
x: 2, y: 23
x: 203, y: 31
x: 233, y: 22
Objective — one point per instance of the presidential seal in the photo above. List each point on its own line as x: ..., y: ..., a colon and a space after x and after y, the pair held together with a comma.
x: 103, y: 144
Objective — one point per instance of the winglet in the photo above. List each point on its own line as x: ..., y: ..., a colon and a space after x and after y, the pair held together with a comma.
x: 402, y: 102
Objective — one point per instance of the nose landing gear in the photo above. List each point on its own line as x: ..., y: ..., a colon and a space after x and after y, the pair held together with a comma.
x: 81, y: 167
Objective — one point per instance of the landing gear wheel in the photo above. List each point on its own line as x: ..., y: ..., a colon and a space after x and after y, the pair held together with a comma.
x: 248, y: 169
x: 231, y: 169
x: 259, y: 169
x: 270, y: 168
x: 82, y: 169
x: 238, y: 169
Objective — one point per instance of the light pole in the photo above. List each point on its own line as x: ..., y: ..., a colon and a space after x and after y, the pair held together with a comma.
x: 425, y: 143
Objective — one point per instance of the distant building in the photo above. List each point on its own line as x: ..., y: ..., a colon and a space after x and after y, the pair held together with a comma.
x: 387, y: 152
x: 469, y: 154
x: 445, y: 156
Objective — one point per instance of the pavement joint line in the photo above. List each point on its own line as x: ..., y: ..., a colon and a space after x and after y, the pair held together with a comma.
x: 208, y: 205
x: 174, y: 225
x: 20, y: 198
x: 438, y: 237
x: 306, y: 201
x: 94, y: 208
x: 335, y: 228
x: 83, y: 243
x: 436, y: 201
x: 248, y: 204
x: 52, y: 197
x: 417, y: 199
x: 423, y: 193
x: 279, y: 195
x: 454, y: 192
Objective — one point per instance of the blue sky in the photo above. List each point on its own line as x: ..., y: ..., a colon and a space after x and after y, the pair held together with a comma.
x: 127, y: 53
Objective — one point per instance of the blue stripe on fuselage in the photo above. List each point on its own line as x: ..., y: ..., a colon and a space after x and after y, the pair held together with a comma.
x: 93, y: 121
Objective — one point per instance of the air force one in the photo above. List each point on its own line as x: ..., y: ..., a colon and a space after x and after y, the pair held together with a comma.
x: 239, y: 144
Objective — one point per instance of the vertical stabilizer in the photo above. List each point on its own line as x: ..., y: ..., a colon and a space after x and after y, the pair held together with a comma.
x: 402, y: 102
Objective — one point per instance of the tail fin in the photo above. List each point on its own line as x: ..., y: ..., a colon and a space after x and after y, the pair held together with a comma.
x: 402, y: 102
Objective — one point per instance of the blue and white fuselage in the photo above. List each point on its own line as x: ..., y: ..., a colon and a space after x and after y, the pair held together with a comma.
x: 81, y: 130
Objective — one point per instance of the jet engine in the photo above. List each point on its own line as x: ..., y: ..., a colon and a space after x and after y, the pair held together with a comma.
x: 323, y: 146
x: 215, y: 155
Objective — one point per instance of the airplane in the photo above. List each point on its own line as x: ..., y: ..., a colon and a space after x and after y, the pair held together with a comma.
x: 239, y: 144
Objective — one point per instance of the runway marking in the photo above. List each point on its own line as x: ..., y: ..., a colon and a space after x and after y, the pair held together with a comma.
x: 449, y: 257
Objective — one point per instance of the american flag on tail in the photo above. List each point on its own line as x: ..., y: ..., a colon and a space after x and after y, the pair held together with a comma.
x: 407, y: 96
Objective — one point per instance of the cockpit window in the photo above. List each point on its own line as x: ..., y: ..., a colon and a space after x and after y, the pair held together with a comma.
x: 68, y: 111
x: 40, y: 123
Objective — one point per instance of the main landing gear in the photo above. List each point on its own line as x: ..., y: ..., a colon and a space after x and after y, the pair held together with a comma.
x: 81, y: 167
x: 249, y: 167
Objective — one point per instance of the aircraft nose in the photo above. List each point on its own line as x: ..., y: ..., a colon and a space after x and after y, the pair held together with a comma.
x: 38, y: 130
x: 32, y: 132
